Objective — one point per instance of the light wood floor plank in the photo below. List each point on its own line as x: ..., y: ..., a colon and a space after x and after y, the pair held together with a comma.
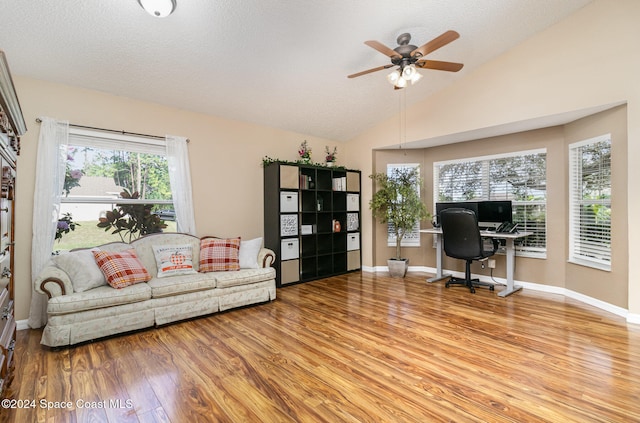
x: 353, y: 348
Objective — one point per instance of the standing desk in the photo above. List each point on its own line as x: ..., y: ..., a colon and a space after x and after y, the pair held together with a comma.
x: 511, y: 255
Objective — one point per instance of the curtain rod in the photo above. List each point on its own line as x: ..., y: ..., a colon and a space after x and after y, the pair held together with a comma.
x: 115, y: 131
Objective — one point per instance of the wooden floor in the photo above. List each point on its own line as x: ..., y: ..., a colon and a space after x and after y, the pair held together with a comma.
x: 356, y: 348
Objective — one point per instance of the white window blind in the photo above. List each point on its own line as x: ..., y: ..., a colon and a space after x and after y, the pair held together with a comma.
x: 519, y: 177
x: 590, y: 202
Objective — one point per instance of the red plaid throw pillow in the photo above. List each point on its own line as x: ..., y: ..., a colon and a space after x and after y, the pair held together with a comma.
x: 121, y: 269
x: 219, y: 254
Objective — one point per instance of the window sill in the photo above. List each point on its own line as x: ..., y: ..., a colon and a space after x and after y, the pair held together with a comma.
x: 592, y: 264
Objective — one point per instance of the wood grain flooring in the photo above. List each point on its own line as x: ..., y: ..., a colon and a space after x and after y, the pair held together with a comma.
x: 354, y: 348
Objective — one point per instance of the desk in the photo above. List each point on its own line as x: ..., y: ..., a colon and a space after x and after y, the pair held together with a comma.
x: 511, y: 255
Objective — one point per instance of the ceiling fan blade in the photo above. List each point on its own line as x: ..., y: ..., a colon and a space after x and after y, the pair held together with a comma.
x: 437, y: 65
x: 435, y: 44
x: 382, y: 48
x: 370, y: 71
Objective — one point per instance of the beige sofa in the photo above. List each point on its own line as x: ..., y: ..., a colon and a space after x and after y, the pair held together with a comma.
x: 78, y: 311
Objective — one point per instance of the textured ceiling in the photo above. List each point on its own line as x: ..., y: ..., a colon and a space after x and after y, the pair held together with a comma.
x: 280, y: 63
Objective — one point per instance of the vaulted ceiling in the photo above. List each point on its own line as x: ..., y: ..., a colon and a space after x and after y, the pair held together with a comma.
x: 280, y: 63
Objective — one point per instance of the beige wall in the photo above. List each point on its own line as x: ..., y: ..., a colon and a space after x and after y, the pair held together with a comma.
x: 587, y: 60
x: 226, y: 158
x: 610, y: 287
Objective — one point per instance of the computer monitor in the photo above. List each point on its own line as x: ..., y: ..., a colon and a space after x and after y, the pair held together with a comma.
x: 491, y: 214
x: 470, y: 205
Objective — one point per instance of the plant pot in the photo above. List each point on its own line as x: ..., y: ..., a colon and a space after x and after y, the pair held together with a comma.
x: 398, y: 268
x: 329, y: 164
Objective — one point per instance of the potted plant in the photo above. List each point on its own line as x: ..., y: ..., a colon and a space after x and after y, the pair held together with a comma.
x: 330, y: 156
x: 397, y: 202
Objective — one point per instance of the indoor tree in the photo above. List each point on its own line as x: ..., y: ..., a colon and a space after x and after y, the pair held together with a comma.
x: 397, y: 201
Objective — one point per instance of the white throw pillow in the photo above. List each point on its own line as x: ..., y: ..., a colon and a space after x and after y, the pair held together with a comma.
x: 249, y: 253
x: 82, y: 269
x: 174, y: 259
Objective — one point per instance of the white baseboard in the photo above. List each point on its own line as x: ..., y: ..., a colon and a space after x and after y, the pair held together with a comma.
x: 618, y: 311
x: 22, y: 324
x: 633, y: 318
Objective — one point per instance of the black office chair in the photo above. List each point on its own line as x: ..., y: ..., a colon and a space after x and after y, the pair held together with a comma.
x: 462, y: 240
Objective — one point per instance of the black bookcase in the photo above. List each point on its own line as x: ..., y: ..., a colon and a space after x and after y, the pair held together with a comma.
x: 311, y: 220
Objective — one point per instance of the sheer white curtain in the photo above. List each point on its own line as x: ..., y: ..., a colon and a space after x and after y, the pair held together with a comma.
x: 50, y: 165
x: 180, y: 179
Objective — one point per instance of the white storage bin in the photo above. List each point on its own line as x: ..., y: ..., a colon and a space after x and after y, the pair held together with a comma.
x: 289, y: 249
x: 288, y: 202
x: 353, y: 241
x: 353, y: 202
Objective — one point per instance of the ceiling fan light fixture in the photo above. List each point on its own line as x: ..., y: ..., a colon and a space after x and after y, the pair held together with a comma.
x: 394, y: 77
x: 408, y: 72
x: 401, y: 83
x: 158, y: 8
x: 416, y: 77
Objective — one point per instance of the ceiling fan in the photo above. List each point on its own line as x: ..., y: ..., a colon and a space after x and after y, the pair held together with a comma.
x: 409, y: 57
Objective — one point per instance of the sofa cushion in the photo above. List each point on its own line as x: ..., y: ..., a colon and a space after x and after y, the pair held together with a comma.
x: 122, y: 268
x: 244, y: 277
x: 81, y: 268
x: 165, y: 287
x: 174, y: 260
x: 103, y: 296
x: 217, y: 254
x: 248, y: 255
x: 144, y: 247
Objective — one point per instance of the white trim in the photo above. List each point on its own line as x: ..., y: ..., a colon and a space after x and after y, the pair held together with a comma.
x: 594, y: 264
x: 22, y: 324
x: 490, y: 157
x: 594, y: 140
x: 77, y: 134
x: 632, y: 318
x: 580, y: 249
x: 112, y: 200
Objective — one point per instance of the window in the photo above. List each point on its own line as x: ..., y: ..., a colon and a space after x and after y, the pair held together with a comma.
x: 519, y: 177
x: 99, y: 167
x: 590, y: 202
x: 410, y: 238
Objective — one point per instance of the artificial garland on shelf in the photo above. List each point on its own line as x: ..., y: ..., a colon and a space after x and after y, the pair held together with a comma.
x: 268, y: 160
x: 304, y: 151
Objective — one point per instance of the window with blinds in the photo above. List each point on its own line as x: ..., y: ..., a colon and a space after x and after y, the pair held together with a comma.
x: 520, y: 177
x: 590, y: 202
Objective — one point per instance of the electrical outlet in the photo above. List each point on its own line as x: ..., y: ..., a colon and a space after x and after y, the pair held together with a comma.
x: 491, y: 263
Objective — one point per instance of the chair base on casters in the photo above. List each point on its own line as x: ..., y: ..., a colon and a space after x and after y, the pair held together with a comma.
x: 470, y: 283
x: 467, y: 281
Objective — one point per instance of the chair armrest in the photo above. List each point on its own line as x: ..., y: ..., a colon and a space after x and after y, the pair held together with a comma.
x: 53, y: 282
x: 266, y: 257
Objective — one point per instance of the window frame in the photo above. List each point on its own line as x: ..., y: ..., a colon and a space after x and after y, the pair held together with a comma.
x: 108, y: 140
x: 410, y: 238
x: 484, y: 187
x: 575, y: 223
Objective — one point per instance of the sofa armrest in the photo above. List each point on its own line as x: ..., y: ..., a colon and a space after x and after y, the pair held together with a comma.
x: 266, y: 257
x: 53, y: 282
